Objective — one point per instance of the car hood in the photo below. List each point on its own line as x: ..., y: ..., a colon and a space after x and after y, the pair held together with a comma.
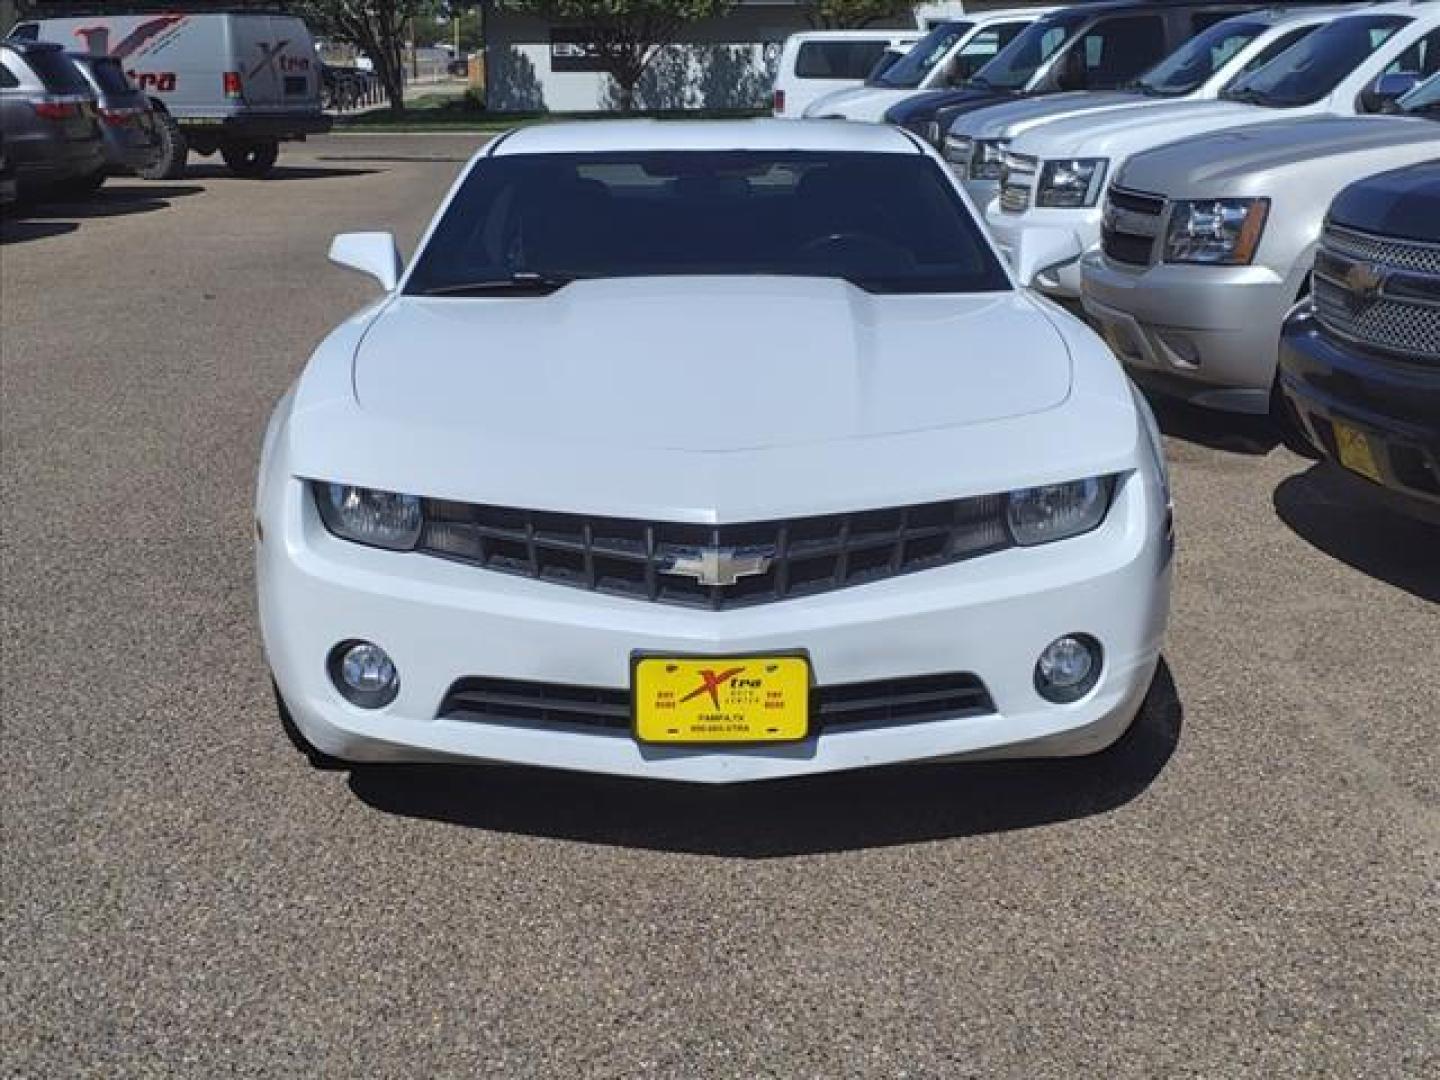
x: 924, y: 104
x: 709, y: 364
x: 1405, y: 202
x: 1248, y: 160
x: 1128, y: 131
x: 857, y: 103
x: 1019, y: 116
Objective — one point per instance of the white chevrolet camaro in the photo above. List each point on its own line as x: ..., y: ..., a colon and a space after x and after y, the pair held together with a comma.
x: 708, y: 452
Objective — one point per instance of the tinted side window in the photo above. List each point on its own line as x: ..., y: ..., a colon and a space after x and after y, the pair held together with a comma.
x: 1422, y: 58
x: 25, y: 32
x: 1116, y: 50
x: 7, y: 78
x: 837, y: 59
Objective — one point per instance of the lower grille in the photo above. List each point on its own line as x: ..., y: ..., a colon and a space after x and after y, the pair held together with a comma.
x: 913, y: 700
x: 715, y: 566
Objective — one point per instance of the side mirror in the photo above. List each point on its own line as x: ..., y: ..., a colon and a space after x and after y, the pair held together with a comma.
x: 372, y: 253
x: 1387, y: 89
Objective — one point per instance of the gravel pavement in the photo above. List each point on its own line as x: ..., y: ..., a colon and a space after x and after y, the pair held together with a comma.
x: 1246, y: 886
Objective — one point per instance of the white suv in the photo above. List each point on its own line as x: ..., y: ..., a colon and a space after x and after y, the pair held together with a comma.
x: 1048, y: 214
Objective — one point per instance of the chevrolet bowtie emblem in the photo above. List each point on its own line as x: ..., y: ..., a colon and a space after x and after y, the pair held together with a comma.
x: 716, y: 565
x: 1365, y: 280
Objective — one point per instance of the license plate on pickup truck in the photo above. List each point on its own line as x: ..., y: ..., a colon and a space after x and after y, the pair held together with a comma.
x: 736, y: 699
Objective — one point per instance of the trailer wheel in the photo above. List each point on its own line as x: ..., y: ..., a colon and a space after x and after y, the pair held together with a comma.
x: 169, y: 160
x: 254, y: 159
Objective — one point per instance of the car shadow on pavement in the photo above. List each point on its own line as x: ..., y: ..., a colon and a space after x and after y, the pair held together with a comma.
x: 1373, y: 539
x: 808, y: 815
x: 113, y: 200
x: 280, y: 172
x: 1237, y: 433
x: 18, y: 232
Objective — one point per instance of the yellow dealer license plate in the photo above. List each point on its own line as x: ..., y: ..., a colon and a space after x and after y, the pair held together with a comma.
x: 1355, y: 452
x: 736, y: 699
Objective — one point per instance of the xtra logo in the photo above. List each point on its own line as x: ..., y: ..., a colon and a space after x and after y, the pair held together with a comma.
x: 710, y: 683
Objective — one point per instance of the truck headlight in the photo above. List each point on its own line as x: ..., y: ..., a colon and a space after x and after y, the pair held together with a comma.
x: 1217, y: 232
x: 1040, y: 515
x: 366, y: 516
x: 987, y: 159
x: 957, y: 150
x: 1071, y: 182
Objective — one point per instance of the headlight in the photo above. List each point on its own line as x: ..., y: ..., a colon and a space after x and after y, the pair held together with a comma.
x: 1057, y: 511
x: 378, y: 518
x: 1218, y: 232
x: 988, y: 159
x: 1071, y: 182
x: 957, y: 150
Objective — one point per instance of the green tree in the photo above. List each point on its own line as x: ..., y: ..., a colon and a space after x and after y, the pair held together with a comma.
x: 625, y: 35
x: 378, y: 28
x: 852, y: 14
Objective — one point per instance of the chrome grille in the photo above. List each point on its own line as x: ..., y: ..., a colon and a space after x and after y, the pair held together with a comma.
x: 679, y: 563
x: 1017, y: 181
x: 1130, y: 225
x: 1379, y: 293
x: 914, y: 699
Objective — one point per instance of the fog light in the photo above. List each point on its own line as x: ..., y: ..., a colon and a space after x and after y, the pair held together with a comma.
x: 1068, y: 669
x: 364, y: 674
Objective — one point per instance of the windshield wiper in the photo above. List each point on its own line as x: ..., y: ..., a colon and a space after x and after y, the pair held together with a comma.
x: 980, y: 82
x: 1247, y: 97
x: 521, y: 282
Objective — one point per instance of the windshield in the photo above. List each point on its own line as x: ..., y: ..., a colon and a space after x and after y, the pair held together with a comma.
x: 1190, y: 67
x: 888, y: 223
x: 909, y: 71
x: 1016, y: 64
x: 1313, y: 68
x: 1425, y: 98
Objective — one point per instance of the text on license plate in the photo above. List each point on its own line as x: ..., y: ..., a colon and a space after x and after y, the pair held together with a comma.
x: 745, y: 699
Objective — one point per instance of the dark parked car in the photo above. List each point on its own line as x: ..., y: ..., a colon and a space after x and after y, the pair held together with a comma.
x: 127, y: 122
x: 51, y: 130
x: 8, y: 190
x: 1361, y: 363
x: 1100, y: 46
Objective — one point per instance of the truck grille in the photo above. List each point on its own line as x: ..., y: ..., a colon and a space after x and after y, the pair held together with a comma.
x: 1131, y: 224
x: 715, y: 566
x: 1380, y: 293
x: 1017, y: 181
x: 912, y: 700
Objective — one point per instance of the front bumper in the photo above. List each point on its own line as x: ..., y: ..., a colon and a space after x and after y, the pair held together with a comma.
x: 1206, y: 334
x: 443, y: 621
x: 1394, y: 404
x: 1050, y: 241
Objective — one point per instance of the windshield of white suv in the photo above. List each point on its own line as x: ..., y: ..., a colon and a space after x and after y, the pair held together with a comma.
x: 1313, y: 68
x: 1016, y: 64
x: 910, y: 70
x: 532, y: 223
x: 1188, y: 68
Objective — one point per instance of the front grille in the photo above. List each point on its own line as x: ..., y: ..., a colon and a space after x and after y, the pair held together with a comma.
x: 1380, y: 293
x: 912, y: 700
x: 781, y: 559
x: 1130, y: 226
x: 1017, y: 181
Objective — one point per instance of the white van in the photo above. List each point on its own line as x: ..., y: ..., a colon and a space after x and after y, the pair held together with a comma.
x: 239, y: 81
x: 815, y: 62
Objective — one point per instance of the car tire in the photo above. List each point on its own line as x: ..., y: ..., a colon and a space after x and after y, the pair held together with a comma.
x: 80, y: 187
x: 169, y: 160
x: 252, y: 160
x: 317, y: 758
x: 1289, y: 427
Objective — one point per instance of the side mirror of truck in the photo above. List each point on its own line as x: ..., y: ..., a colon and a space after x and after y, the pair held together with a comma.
x: 1380, y: 95
x: 372, y: 253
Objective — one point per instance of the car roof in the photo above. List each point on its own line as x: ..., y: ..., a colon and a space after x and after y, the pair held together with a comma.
x: 601, y: 136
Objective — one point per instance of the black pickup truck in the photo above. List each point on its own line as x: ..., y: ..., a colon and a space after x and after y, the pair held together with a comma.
x: 1361, y: 362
